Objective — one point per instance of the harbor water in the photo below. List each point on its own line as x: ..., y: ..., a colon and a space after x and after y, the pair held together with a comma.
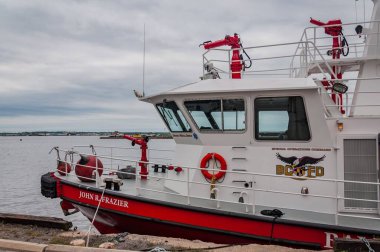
x: 24, y: 159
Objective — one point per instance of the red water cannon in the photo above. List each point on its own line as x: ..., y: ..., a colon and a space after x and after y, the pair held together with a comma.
x: 143, y: 142
x: 234, y: 43
x: 334, y: 29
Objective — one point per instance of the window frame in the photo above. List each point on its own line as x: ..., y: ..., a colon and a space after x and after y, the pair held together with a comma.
x: 165, y: 121
x: 255, y: 125
x: 212, y: 131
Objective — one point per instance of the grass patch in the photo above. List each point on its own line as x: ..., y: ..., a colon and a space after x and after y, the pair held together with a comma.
x: 95, y: 241
x: 32, y: 233
x: 61, y: 240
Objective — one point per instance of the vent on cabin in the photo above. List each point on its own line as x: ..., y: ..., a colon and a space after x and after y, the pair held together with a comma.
x: 360, y: 164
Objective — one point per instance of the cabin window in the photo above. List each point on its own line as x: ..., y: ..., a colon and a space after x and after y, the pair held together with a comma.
x: 218, y: 115
x: 233, y: 114
x: 173, y: 117
x: 281, y: 118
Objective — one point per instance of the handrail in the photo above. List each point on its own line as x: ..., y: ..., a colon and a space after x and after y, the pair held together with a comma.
x: 308, y: 52
x: 249, y: 173
x: 228, y: 171
x: 253, y: 189
x: 235, y: 187
x: 250, y: 192
x: 306, y: 45
x: 349, y: 95
x: 121, y: 148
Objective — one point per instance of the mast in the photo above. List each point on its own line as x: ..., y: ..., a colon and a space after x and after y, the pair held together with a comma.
x: 143, y: 77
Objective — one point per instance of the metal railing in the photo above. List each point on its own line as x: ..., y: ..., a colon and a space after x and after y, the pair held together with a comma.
x: 271, y: 60
x: 311, y: 50
x: 186, y: 182
x: 347, y: 98
x: 356, y: 42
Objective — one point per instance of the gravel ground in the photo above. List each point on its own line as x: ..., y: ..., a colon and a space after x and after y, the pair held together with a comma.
x: 125, y: 241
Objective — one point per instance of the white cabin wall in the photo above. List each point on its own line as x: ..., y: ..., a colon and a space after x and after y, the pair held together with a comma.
x: 369, y: 69
x: 357, y: 125
x: 264, y: 152
x: 333, y: 129
x: 373, y: 32
x: 260, y: 157
x: 185, y: 156
x: 365, y: 100
x: 320, y: 133
x: 259, y: 160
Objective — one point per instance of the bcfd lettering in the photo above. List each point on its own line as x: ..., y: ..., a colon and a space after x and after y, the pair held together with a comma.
x: 310, y: 171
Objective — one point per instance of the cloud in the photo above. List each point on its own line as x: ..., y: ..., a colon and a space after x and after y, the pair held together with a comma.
x: 66, y: 60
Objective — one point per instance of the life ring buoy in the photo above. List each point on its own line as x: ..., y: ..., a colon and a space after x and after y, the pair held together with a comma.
x: 223, y: 166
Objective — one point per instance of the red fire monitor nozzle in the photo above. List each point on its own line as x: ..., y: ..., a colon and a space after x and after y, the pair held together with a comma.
x: 234, y: 42
x: 334, y: 29
x: 143, y: 146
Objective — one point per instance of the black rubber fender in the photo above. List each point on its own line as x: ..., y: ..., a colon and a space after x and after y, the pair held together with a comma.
x: 48, y: 186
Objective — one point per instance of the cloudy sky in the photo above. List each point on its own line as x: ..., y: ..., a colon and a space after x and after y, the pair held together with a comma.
x: 72, y: 65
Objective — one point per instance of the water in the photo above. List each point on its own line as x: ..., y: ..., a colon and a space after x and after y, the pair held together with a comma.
x: 23, y: 162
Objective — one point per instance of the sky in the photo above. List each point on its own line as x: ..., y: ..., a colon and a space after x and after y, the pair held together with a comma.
x: 73, y: 64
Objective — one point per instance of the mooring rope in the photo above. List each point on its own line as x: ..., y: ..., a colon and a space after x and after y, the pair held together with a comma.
x: 93, y: 219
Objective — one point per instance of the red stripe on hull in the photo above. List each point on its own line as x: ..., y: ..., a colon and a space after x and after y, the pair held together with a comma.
x: 149, y: 227
x: 119, y: 214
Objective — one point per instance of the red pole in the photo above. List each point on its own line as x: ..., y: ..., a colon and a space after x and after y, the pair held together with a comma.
x: 336, y: 51
x: 334, y: 29
x: 236, y: 65
x: 143, y: 146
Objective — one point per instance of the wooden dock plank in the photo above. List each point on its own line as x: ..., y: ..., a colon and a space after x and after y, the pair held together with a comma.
x: 41, y: 221
x: 353, y: 245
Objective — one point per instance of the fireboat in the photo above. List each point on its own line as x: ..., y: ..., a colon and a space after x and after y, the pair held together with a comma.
x: 277, y: 148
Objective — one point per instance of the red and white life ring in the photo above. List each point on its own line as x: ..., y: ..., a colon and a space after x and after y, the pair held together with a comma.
x: 223, y: 166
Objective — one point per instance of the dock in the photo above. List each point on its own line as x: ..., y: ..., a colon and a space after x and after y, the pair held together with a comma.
x: 356, y: 245
x: 40, y: 221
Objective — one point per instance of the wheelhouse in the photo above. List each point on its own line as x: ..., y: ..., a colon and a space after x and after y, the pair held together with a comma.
x: 254, y: 112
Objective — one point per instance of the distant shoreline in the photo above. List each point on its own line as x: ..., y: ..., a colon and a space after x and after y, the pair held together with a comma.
x: 103, y: 135
x: 150, y: 137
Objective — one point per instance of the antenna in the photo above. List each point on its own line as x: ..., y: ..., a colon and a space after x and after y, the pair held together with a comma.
x: 143, y: 80
x: 356, y: 12
x: 364, y: 12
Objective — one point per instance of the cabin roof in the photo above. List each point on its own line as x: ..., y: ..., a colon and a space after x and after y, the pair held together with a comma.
x: 239, y: 85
